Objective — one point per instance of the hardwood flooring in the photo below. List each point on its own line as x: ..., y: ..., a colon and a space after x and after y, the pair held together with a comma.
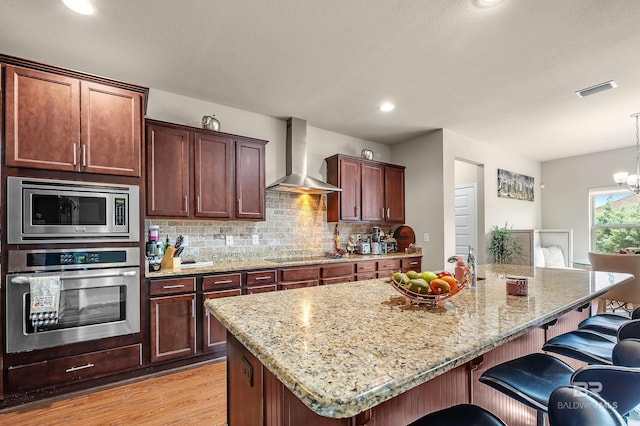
x: 196, y: 396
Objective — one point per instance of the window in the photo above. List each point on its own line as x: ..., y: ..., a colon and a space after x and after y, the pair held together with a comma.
x: 615, y: 220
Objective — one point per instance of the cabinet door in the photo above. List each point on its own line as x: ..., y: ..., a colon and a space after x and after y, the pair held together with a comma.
x: 250, y: 203
x: 214, y: 333
x: 110, y: 123
x: 167, y: 172
x: 350, y: 184
x: 372, y: 192
x: 42, y: 120
x: 173, y: 327
x: 213, y: 176
x: 394, y: 194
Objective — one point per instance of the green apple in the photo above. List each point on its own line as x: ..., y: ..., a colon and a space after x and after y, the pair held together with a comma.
x: 428, y: 276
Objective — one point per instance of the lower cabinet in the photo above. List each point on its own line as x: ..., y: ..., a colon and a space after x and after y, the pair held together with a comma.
x: 173, y: 318
x: 214, y: 334
x: 336, y: 273
x: 387, y: 266
x: 45, y: 374
x: 411, y: 264
x: 261, y: 281
x: 298, y: 277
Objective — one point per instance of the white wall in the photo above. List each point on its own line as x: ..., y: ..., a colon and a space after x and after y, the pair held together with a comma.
x: 430, y: 184
x: 321, y: 143
x: 565, y: 197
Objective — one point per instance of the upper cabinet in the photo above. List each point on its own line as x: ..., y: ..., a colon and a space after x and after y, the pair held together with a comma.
x: 198, y: 173
x: 371, y: 191
x: 62, y: 122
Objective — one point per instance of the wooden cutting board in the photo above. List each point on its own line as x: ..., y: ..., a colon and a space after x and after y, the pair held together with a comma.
x: 404, y: 235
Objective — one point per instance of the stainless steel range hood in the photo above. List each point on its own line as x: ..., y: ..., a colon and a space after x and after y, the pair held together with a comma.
x: 297, y: 179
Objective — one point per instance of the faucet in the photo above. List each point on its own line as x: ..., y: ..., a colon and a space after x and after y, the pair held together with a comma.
x: 471, y: 262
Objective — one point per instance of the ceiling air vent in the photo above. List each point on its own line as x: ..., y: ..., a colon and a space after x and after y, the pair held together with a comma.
x: 596, y: 89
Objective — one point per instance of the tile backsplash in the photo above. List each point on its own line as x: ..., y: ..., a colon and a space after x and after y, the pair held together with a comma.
x: 296, y: 225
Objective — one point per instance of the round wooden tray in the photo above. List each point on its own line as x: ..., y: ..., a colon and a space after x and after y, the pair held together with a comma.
x: 412, y: 298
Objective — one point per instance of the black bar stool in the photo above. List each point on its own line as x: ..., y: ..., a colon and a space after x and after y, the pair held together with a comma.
x: 531, y: 379
x: 590, y: 346
x: 463, y: 414
x: 607, y: 323
x: 575, y: 406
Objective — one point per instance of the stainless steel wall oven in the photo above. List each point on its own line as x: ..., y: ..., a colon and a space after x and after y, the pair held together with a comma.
x: 98, y: 290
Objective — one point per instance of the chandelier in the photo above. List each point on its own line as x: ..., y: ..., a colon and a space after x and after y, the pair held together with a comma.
x: 624, y: 179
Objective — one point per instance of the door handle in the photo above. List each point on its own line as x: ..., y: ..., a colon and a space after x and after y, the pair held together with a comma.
x: 20, y: 279
x: 82, y: 367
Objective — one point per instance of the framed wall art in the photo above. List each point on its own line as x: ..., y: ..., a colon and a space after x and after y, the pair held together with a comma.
x: 515, y: 185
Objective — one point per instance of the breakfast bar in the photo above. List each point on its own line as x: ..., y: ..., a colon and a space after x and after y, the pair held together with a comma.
x: 343, y: 355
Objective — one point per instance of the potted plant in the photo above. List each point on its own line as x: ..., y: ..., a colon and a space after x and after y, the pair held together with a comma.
x: 501, y: 246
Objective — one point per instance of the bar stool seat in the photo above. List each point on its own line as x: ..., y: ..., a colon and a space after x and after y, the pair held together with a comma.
x: 529, y: 379
x: 590, y: 346
x: 592, y: 410
x: 607, y: 323
x: 463, y: 414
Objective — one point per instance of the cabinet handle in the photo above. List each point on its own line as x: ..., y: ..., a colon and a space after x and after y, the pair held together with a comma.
x: 193, y: 308
x: 413, y: 263
x: 240, y: 205
x: 82, y: 367
x: 186, y: 203
x: 84, y: 155
x: 198, y: 200
x: 75, y: 160
x: 388, y: 212
x: 223, y: 282
x: 173, y: 286
x: 262, y: 278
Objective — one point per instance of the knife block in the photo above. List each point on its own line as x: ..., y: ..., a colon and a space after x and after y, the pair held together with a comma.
x: 170, y: 262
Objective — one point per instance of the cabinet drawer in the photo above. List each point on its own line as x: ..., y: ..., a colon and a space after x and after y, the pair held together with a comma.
x: 338, y: 280
x: 338, y: 270
x: 172, y: 286
x: 389, y: 265
x: 74, y: 368
x: 412, y: 263
x: 366, y: 276
x: 299, y: 284
x: 261, y: 277
x: 262, y: 288
x: 306, y: 273
x: 369, y: 266
x: 225, y: 281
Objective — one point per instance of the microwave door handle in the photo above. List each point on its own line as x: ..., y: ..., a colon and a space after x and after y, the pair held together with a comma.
x: 25, y: 280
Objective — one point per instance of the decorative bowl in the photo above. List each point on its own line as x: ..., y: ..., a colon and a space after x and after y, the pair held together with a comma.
x: 413, y: 298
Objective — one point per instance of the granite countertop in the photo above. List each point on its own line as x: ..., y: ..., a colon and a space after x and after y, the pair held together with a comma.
x: 341, y: 350
x: 271, y: 263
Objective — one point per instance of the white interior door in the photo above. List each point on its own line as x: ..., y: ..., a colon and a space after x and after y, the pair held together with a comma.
x: 466, y: 219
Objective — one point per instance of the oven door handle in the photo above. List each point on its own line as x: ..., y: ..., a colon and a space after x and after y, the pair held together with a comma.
x: 25, y: 280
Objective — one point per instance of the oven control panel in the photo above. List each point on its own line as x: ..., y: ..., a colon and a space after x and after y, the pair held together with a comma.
x: 63, y: 259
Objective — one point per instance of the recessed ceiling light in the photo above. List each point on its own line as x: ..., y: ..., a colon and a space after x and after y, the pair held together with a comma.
x: 83, y: 7
x: 488, y: 3
x: 596, y: 89
x: 386, y: 107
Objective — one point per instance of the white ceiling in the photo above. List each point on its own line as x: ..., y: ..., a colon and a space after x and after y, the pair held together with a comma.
x: 505, y: 75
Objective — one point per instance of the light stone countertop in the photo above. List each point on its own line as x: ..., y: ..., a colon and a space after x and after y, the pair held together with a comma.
x: 266, y: 264
x: 341, y: 350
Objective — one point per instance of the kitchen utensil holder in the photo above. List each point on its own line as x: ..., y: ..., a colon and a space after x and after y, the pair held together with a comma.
x: 170, y: 262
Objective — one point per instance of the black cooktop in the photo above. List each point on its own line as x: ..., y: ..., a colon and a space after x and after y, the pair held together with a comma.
x: 296, y: 259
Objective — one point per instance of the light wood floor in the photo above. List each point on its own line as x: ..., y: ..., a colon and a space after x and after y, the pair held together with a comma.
x: 196, y: 396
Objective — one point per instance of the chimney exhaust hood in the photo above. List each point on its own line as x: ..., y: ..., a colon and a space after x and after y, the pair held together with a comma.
x: 296, y: 179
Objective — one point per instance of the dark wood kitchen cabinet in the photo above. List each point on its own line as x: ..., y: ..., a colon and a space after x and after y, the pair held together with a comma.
x: 298, y: 277
x: 173, y: 318
x: 371, y: 191
x: 167, y: 171
x: 214, y: 334
x: 62, y: 122
x: 210, y: 174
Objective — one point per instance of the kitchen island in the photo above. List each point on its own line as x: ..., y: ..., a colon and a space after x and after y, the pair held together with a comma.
x: 341, y: 355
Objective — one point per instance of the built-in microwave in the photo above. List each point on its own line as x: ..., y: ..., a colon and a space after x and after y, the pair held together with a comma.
x: 59, y: 211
